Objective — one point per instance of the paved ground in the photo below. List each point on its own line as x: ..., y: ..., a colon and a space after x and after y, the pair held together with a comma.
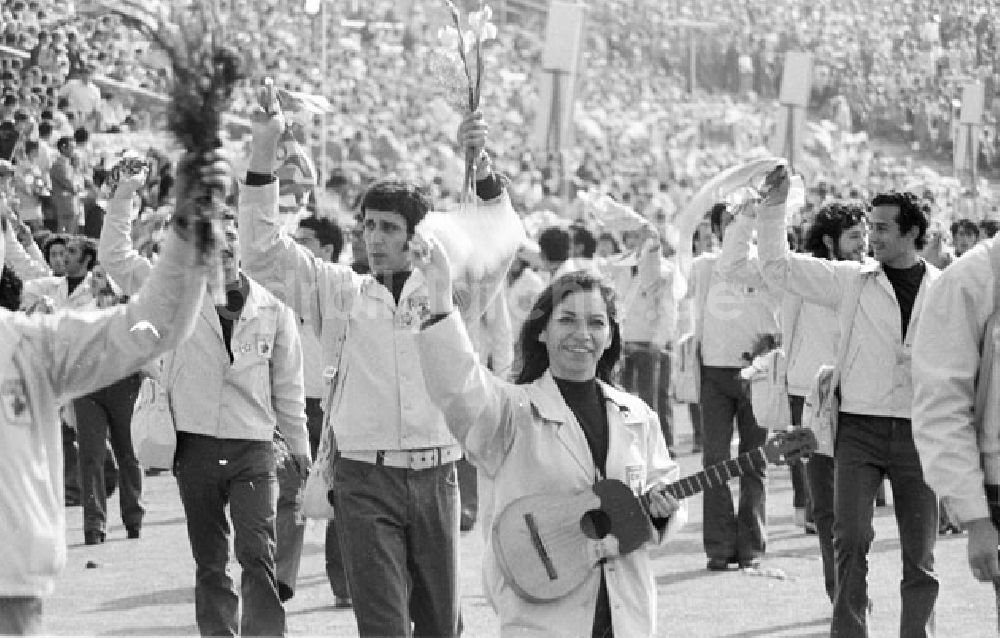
x: 145, y: 587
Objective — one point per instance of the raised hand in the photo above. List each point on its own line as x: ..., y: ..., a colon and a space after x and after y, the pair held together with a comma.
x: 267, y: 123
x: 776, y: 186
x: 428, y: 255
x: 473, y: 134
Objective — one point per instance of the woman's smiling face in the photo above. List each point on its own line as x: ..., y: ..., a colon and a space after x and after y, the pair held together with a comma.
x: 577, y: 334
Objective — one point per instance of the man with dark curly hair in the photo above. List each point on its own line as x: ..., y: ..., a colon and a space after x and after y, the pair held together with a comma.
x: 878, y: 306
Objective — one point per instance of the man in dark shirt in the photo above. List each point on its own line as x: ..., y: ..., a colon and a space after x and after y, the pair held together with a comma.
x: 878, y: 306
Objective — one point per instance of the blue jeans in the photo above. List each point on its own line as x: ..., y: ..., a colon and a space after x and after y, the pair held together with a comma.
x: 727, y: 534
x: 868, y: 449
x: 664, y: 402
x: 818, y: 489
x: 399, y: 533
x: 211, y: 474
x: 100, y: 416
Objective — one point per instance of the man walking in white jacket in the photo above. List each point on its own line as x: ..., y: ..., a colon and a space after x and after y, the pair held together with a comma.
x: 48, y: 359
x: 874, y: 437
x: 237, y: 378
x: 959, y: 449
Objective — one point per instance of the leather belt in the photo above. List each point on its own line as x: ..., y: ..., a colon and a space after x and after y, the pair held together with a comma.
x: 417, y: 459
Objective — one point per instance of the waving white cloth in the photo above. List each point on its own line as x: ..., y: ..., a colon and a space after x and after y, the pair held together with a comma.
x: 749, y: 174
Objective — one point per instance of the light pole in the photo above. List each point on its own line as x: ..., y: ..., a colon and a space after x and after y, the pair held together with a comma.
x: 312, y: 7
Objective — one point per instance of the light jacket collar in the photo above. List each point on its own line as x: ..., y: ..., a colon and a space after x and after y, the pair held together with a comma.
x: 374, y: 289
x: 547, y: 400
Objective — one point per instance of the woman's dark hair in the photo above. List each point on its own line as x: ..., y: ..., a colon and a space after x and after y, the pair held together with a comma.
x: 535, y: 355
x: 832, y: 220
x: 913, y: 212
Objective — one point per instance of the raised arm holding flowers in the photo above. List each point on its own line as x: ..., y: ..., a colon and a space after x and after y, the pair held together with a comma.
x: 461, y: 54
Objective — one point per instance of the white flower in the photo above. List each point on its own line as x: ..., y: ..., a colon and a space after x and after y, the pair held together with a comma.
x: 488, y: 33
x: 448, y: 36
x: 479, y: 18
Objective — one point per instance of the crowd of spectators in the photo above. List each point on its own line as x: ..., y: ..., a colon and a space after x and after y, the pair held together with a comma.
x: 648, y: 138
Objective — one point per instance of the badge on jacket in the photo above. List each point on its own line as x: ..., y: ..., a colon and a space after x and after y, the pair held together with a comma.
x: 635, y: 477
x: 14, y: 395
x: 263, y: 346
x: 415, y: 310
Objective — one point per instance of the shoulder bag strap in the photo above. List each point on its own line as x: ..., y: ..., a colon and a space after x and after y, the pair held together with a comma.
x: 328, y: 443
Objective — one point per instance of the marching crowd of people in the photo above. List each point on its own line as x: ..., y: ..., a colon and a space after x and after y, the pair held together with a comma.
x: 445, y: 402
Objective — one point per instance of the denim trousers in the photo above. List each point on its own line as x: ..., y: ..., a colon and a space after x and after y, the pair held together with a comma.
x: 797, y: 469
x: 729, y: 534
x: 399, y: 532
x: 664, y: 402
x: 20, y: 615
x: 868, y: 449
x: 818, y: 487
x: 211, y: 474
x: 100, y: 416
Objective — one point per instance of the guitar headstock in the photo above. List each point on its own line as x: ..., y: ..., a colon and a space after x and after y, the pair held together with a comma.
x: 790, y: 446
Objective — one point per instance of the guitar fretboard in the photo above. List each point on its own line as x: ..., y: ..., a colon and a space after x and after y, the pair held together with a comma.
x: 718, y: 474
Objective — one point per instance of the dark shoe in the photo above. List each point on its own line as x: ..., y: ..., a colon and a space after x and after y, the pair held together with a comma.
x: 133, y: 531
x: 810, y: 527
x: 342, y: 602
x: 467, y: 521
x: 285, y: 592
x: 72, y: 500
x: 749, y: 563
x: 719, y: 564
x: 93, y: 537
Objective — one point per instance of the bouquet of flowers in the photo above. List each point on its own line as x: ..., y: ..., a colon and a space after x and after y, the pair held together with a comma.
x: 205, y: 70
x: 458, y: 65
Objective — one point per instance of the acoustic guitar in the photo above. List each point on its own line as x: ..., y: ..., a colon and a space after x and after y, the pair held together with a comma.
x: 548, y: 544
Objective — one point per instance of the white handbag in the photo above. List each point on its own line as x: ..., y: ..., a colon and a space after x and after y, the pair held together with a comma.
x: 154, y: 437
x: 317, y: 495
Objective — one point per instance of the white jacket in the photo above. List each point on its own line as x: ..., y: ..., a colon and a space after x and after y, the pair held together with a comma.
x: 526, y: 440
x: 381, y: 402
x: 733, y: 304
x: 27, y: 263
x: 956, y: 458
x: 46, y: 360
x: 262, y: 388
x: 57, y: 289
x: 810, y: 333
x: 875, y: 379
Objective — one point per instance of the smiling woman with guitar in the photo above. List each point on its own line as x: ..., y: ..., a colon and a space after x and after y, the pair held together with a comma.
x: 559, y: 429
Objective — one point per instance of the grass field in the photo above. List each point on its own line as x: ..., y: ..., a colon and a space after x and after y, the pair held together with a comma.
x: 145, y: 587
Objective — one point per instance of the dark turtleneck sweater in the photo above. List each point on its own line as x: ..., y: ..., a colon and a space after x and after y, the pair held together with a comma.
x: 585, y: 400
x: 236, y: 298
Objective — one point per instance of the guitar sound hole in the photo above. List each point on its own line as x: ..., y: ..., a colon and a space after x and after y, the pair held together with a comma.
x: 595, y: 524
